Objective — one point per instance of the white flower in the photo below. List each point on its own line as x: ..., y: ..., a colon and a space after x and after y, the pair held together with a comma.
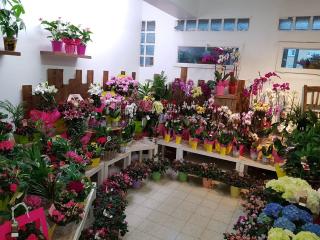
x: 281, y: 127
x: 95, y: 89
x: 291, y: 127
x: 43, y: 88
x: 131, y: 110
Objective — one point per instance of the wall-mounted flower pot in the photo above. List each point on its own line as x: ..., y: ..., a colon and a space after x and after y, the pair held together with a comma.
x: 183, y: 177
x: 81, y: 49
x: 56, y: 46
x: 156, y: 176
x: 9, y: 44
x: 69, y: 48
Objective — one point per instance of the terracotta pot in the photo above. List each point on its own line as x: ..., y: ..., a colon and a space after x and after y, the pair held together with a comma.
x: 9, y: 44
x: 207, y: 183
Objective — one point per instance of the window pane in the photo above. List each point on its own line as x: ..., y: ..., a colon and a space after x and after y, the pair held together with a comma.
x: 180, y: 25
x: 142, y: 38
x: 243, y: 24
x: 191, y: 25
x: 203, y: 25
x: 143, y: 26
x: 229, y: 24
x: 149, y: 61
x: 301, y: 58
x: 151, y: 38
x: 141, y: 49
x: 141, y: 61
x: 302, y: 23
x: 316, y: 23
x: 151, y: 26
x: 216, y: 24
x: 285, y: 24
x: 190, y: 54
x: 150, y: 50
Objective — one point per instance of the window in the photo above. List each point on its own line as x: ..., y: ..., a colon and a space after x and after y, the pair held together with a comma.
x: 302, y: 23
x: 285, y: 24
x: 203, y: 25
x: 190, y: 54
x: 301, y: 58
x: 180, y: 25
x: 316, y: 23
x: 243, y: 24
x: 191, y: 25
x: 147, y: 43
x: 216, y: 24
x: 229, y: 24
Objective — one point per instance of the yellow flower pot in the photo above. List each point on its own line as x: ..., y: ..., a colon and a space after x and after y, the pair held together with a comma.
x: 208, y: 147
x: 223, y: 150
x: 167, y: 137
x: 279, y: 170
x: 234, y: 192
x: 95, y: 162
x: 217, y: 147
x: 194, y: 144
x: 178, y: 139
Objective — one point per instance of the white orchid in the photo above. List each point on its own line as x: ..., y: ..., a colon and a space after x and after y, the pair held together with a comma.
x: 95, y: 89
x: 44, y: 88
x: 291, y: 127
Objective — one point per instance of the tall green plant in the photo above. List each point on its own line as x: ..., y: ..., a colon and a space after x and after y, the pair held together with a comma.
x: 159, y: 86
x: 16, y: 113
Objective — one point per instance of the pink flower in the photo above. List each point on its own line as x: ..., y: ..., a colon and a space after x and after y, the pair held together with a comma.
x: 6, y: 146
x: 13, y: 187
x: 32, y: 237
x: 33, y: 201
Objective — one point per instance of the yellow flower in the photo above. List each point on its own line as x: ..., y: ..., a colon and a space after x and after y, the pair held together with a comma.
x: 200, y: 110
x: 196, y: 92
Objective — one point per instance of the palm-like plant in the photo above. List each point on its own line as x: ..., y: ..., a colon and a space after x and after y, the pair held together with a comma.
x: 145, y: 89
x: 159, y: 86
x: 16, y: 112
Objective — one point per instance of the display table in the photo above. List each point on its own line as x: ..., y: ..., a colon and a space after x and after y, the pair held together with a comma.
x: 242, y: 163
x: 73, y: 232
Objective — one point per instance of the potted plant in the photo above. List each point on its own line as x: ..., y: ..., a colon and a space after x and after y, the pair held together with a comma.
x: 279, y: 153
x: 209, y: 141
x: 157, y: 167
x: 236, y: 182
x: 220, y: 84
x: 96, y: 151
x: 178, y: 129
x: 84, y: 36
x: 55, y: 28
x: 267, y: 154
x: 224, y: 140
x: 70, y: 37
x: 11, y: 23
x: 232, y: 84
x: 182, y: 168
x: 209, y: 173
x: 254, y: 151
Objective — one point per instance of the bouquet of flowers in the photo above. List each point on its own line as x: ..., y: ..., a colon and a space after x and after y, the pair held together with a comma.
x: 47, y: 94
x: 95, y: 92
x: 64, y: 213
x: 123, y: 84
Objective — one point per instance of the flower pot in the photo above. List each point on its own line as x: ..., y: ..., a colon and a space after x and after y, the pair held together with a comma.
x: 276, y: 157
x: 167, y: 137
x: 56, y: 46
x: 178, y: 139
x: 9, y: 44
x: 208, y: 145
x: 217, y: 147
x: 95, y: 162
x: 266, y: 159
x: 136, y: 184
x: 232, y: 89
x: 242, y: 150
x: 279, y: 170
x: 253, y: 154
x: 235, y: 152
x: 219, y: 90
x: 20, y: 139
x: 115, y: 121
x: 234, y: 192
x: 223, y: 150
x: 69, y: 48
x: 207, y: 183
x: 81, y: 49
x: 229, y: 148
x: 156, y: 176
x: 194, y: 144
x: 138, y: 126
x: 183, y: 177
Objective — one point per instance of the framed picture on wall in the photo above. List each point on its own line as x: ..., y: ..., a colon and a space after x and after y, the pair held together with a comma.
x: 298, y: 58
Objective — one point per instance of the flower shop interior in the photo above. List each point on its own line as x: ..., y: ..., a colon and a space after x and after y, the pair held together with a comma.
x: 160, y: 120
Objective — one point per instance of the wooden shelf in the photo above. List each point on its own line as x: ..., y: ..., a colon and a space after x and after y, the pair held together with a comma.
x: 62, y: 54
x: 10, y: 53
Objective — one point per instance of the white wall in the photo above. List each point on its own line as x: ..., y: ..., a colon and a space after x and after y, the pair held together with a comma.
x: 115, y: 47
x: 259, y: 44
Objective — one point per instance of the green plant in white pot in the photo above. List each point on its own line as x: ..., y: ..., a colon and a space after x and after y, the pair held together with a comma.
x: 11, y: 22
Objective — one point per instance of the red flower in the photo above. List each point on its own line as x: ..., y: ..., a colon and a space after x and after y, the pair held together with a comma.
x: 102, y: 140
x: 76, y: 186
x: 32, y: 237
x: 6, y: 146
x: 13, y: 187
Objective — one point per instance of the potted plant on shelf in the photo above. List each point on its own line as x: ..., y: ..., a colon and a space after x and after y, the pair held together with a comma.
x: 279, y: 153
x: 84, y: 37
x: 224, y: 141
x: 267, y: 153
x: 55, y: 28
x: 11, y: 23
x: 96, y: 151
x: 178, y: 129
x: 70, y: 37
x: 232, y: 84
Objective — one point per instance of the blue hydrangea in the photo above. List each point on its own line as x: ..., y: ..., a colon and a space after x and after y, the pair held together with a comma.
x: 315, y: 228
x: 285, y: 223
x: 291, y: 212
x: 305, y: 216
x: 264, y: 219
x: 272, y: 210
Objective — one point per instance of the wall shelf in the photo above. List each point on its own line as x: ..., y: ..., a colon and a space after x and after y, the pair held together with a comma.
x: 62, y: 54
x: 9, y: 53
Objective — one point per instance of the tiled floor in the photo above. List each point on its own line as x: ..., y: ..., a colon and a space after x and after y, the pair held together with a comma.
x: 170, y: 210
